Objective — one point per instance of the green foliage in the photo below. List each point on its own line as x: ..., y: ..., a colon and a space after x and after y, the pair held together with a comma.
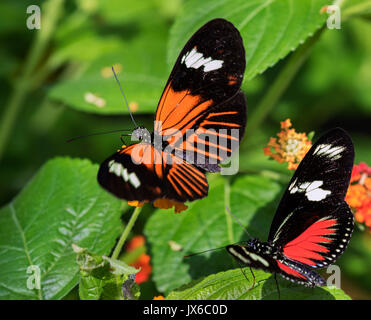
x: 143, y: 71
x: 103, y: 277
x: 204, y: 226
x: 270, y: 28
x: 61, y: 206
x: 232, y: 285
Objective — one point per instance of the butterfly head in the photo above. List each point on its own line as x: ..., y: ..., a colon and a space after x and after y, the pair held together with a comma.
x: 141, y: 134
x: 253, y: 243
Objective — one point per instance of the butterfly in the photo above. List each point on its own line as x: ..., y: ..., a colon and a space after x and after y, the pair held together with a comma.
x: 313, y: 224
x: 199, y: 121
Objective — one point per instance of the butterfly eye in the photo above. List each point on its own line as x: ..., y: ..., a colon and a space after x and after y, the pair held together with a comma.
x: 141, y: 134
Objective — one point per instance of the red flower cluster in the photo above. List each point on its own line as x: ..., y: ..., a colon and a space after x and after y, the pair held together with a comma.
x: 359, y: 193
x: 143, y: 261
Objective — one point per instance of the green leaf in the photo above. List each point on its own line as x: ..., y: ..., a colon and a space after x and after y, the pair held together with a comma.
x: 205, y: 226
x: 270, y: 28
x: 90, y: 288
x: 104, y: 277
x: 143, y: 75
x: 232, y: 285
x: 63, y: 204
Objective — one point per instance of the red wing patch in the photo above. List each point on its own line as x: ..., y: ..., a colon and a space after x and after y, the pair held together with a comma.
x: 309, y: 246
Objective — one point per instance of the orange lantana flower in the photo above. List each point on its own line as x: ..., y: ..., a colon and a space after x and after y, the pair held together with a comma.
x: 159, y: 298
x: 290, y: 146
x: 359, y: 193
x: 162, y: 204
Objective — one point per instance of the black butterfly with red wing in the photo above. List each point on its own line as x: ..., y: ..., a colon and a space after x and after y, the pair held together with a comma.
x: 199, y: 122
x: 313, y: 224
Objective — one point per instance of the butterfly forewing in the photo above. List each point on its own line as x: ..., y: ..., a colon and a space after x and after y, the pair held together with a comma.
x: 313, y: 224
x: 143, y: 173
x: 203, y: 95
x: 321, y: 179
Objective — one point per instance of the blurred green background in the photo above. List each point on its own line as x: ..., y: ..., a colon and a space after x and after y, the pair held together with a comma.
x: 333, y: 88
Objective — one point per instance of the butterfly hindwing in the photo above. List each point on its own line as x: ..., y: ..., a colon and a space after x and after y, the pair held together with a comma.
x: 299, y: 273
x: 215, y: 135
x: 251, y: 256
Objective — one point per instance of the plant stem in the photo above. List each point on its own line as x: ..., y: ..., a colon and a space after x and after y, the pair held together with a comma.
x: 50, y: 15
x: 279, y: 85
x: 126, y: 232
x: 227, y: 195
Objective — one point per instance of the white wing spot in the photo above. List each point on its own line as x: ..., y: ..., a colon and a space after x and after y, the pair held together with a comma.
x: 312, y: 190
x: 119, y: 170
x: 328, y: 151
x: 194, y: 59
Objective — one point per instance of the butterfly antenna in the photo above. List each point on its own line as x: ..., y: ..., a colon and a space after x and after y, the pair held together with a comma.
x: 197, y: 253
x: 238, y: 221
x: 118, y: 82
x: 98, y: 134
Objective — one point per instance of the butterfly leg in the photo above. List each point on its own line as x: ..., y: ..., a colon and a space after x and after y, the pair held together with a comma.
x: 244, y: 274
x: 122, y: 139
x: 253, y: 278
x: 278, y: 288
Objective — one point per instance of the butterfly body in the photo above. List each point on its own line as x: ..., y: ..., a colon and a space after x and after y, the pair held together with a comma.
x: 267, y: 257
x: 313, y: 224
x: 199, y: 122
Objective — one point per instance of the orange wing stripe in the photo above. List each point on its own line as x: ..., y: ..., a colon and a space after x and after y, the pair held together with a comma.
x: 189, y: 184
x: 227, y: 124
x: 179, y: 108
x: 174, y: 185
x: 191, y: 174
x: 182, y: 184
x: 189, y: 147
x: 210, y: 132
x: 214, y: 114
x: 208, y: 143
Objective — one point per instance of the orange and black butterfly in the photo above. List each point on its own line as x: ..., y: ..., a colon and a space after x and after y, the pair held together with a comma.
x: 199, y: 122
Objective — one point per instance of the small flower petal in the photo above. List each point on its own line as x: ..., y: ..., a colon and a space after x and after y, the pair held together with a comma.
x: 167, y: 204
x: 136, y: 203
x: 290, y: 146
